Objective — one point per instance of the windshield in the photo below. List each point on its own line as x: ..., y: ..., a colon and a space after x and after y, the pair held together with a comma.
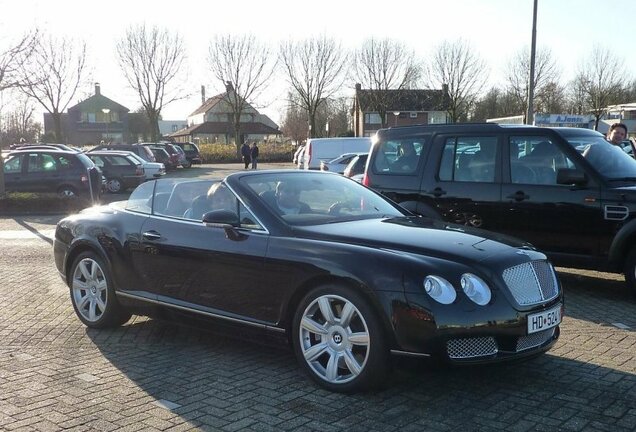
x: 315, y: 198
x: 609, y: 160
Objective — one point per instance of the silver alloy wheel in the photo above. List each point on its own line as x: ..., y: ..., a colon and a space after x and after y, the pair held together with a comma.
x: 90, y: 293
x: 67, y: 193
x: 334, y: 339
x: 113, y: 185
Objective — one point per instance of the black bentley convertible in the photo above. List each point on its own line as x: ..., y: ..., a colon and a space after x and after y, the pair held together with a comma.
x: 348, y: 276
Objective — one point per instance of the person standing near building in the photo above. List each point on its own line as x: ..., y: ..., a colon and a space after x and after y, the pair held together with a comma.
x: 254, y: 155
x: 617, y: 133
x: 246, y: 153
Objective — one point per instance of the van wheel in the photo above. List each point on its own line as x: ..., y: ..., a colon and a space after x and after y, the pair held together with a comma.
x: 630, y: 271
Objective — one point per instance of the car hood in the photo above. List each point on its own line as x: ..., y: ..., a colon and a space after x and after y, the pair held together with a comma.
x: 420, y: 235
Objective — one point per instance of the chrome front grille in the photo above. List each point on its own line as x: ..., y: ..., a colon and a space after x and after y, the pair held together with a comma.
x: 534, y: 340
x: 471, y: 347
x: 531, y: 283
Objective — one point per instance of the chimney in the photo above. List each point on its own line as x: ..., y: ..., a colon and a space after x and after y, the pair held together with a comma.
x: 229, y: 87
x: 202, y: 95
x: 97, y: 90
x: 358, y: 87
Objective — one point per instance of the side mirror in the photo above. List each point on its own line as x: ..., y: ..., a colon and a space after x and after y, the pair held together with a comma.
x: 221, y: 217
x: 228, y: 220
x: 569, y: 176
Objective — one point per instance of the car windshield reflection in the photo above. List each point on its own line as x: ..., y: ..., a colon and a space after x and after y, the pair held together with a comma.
x: 609, y: 160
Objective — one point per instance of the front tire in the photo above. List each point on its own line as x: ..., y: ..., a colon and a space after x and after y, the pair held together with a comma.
x: 630, y: 271
x: 93, y: 294
x: 338, y: 340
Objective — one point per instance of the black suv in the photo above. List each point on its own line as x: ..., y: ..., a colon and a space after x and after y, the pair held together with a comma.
x: 67, y: 173
x: 566, y: 190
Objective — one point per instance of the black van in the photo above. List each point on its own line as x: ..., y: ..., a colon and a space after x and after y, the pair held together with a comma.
x: 566, y: 190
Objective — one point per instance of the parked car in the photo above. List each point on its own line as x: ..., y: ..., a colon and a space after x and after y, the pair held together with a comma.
x: 566, y: 190
x: 349, y: 276
x: 338, y: 164
x: 356, y: 165
x: 140, y: 150
x: 175, y: 157
x: 183, y: 160
x: 67, y: 173
x: 325, y: 149
x: 162, y: 156
x: 121, y: 170
x: 152, y: 170
x: 191, y: 151
x: 43, y: 146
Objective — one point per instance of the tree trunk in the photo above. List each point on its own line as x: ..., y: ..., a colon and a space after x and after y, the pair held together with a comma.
x: 57, y: 123
x: 2, y: 191
x: 153, y: 120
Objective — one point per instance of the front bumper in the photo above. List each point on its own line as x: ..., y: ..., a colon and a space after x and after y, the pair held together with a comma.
x: 462, y: 336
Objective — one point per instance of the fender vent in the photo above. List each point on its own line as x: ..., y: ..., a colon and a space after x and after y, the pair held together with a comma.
x: 616, y: 212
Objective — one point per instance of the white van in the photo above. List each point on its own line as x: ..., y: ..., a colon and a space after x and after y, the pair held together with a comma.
x: 325, y: 149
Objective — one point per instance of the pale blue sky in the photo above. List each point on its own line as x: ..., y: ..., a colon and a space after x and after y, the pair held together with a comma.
x: 497, y: 29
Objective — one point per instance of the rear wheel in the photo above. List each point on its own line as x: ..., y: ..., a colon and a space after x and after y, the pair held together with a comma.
x: 630, y: 271
x: 338, y: 340
x: 114, y: 185
x: 93, y: 294
x: 66, y: 192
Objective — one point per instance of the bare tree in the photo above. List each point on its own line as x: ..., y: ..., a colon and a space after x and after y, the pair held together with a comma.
x: 13, y: 58
x: 151, y: 60
x: 458, y: 66
x: 495, y: 103
x: 546, y: 73
x: 314, y: 69
x: 246, y: 66
x: 294, y: 123
x: 383, y: 65
x: 19, y: 123
x: 576, y: 99
x: 52, y: 75
x: 600, y: 78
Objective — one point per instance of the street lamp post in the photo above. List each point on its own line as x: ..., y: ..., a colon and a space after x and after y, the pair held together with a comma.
x: 395, y: 114
x: 106, y: 111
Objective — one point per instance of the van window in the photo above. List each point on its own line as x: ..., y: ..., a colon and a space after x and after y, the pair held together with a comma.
x: 536, y: 160
x: 471, y: 159
x: 400, y: 156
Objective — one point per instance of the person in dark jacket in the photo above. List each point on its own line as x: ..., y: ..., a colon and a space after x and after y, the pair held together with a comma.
x: 254, y: 155
x: 246, y: 153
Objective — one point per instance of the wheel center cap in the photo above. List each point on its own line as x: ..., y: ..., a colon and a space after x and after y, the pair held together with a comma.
x: 94, y: 289
x: 337, y: 338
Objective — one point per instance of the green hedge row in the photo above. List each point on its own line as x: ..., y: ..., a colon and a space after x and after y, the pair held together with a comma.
x: 268, y: 152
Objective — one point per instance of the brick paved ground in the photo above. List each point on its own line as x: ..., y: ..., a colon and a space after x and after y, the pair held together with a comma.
x: 151, y: 375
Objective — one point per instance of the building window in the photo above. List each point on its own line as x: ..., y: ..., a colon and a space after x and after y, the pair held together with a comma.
x: 175, y: 128
x: 372, y: 118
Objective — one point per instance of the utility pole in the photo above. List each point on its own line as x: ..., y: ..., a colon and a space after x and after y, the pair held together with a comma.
x: 533, y: 48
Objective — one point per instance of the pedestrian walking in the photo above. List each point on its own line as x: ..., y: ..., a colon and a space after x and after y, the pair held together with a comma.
x: 246, y: 153
x: 254, y: 155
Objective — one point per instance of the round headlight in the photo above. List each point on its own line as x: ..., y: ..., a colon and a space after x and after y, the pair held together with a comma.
x: 476, y: 289
x: 439, y: 289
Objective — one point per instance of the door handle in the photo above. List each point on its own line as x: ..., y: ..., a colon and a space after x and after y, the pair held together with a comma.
x: 151, y: 235
x: 437, y: 192
x: 518, y: 196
